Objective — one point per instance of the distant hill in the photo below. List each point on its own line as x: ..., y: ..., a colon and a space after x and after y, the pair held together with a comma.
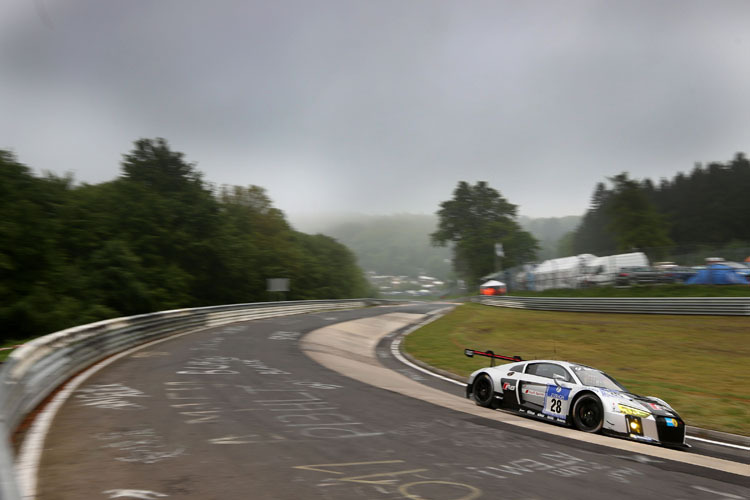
x: 400, y: 244
x: 385, y: 244
x: 549, y: 230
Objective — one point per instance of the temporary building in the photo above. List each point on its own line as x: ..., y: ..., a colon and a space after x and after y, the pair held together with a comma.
x: 564, y: 272
x: 603, y: 270
x: 717, y: 274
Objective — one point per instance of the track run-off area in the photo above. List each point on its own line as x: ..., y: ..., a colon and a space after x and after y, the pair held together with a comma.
x: 318, y: 406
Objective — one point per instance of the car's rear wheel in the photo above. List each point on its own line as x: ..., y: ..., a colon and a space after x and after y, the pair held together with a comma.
x: 482, y: 391
x: 588, y: 414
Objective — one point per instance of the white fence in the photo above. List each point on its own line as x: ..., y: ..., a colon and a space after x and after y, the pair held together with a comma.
x: 36, y: 369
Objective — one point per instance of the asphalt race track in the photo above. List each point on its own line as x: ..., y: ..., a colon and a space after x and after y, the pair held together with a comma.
x: 241, y: 412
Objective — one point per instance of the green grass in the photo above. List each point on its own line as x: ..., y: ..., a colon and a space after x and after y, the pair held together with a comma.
x: 644, y: 291
x: 11, y: 343
x: 698, y: 364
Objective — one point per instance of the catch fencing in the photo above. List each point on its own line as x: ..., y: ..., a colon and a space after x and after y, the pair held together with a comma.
x: 37, y: 368
x: 723, y: 306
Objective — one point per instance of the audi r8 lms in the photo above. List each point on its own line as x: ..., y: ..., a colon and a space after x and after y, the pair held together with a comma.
x: 575, y: 395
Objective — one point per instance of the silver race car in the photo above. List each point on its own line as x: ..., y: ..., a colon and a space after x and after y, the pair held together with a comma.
x: 574, y: 394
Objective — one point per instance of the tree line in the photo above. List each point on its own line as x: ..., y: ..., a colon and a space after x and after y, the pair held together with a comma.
x: 158, y: 237
x: 682, y: 219
x: 707, y: 207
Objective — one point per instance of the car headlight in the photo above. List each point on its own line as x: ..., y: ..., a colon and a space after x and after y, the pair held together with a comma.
x: 629, y: 410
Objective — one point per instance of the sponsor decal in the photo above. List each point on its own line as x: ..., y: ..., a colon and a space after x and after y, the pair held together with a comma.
x: 556, y: 391
x: 533, y: 393
x: 508, y: 387
x: 672, y: 422
x: 556, y: 401
x: 656, y: 407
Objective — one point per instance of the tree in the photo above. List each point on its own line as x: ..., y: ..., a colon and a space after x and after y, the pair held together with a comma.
x: 477, y: 218
x: 633, y: 218
x: 593, y: 234
x: 156, y: 238
x: 154, y: 164
x: 565, y: 244
x: 172, y: 220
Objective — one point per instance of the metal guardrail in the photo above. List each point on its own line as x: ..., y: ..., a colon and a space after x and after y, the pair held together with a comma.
x: 36, y: 369
x: 722, y: 306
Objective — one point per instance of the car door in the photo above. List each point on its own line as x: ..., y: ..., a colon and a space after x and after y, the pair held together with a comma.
x: 539, y: 392
x: 533, y: 387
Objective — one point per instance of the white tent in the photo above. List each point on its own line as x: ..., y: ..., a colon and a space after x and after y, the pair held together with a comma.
x: 493, y: 287
x: 491, y: 283
x: 561, y: 273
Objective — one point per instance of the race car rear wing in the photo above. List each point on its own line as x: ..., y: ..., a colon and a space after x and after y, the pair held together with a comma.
x: 472, y: 352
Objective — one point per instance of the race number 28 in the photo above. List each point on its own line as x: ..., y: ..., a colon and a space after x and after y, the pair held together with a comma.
x: 555, y: 405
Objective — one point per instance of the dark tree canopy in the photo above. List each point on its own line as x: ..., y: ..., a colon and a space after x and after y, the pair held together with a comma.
x: 634, y: 220
x: 706, y: 208
x: 474, y: 221
x: 155, y: 238
x: 153, y: 164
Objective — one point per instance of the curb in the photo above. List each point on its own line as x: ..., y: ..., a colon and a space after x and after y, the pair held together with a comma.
x: 724, y: 437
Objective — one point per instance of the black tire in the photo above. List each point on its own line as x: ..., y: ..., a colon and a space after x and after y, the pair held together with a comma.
x: 483, y: 391
x: 588, y: 414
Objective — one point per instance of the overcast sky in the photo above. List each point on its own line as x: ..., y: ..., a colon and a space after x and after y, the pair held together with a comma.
x: 380, y: 106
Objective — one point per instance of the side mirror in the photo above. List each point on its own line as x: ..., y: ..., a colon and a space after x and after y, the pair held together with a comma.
x: 558, y: 379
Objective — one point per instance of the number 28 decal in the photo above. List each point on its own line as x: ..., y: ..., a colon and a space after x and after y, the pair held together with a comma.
x: 555, y: 405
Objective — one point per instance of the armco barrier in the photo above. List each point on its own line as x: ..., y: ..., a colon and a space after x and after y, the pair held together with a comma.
x: 36, y: 369
x: 723, y: 306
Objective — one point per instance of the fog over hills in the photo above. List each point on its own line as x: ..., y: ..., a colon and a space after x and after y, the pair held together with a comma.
x: 549, y: 230
x: 399, y: 244
x: 385, y: 244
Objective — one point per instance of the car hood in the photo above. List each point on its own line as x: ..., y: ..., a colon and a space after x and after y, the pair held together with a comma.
x: 651, y: 404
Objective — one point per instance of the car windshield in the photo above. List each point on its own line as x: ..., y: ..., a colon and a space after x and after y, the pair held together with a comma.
x: 596, y: 378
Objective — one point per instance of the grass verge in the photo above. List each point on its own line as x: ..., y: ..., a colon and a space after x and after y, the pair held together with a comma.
x: 644, y: 291
x: 698, y: 364
x: 11, y: 343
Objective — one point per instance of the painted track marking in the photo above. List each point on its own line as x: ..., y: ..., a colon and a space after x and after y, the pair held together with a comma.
x: 33, y: 445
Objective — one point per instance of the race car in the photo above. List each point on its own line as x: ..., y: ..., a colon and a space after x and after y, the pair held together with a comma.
x: 575, y: 395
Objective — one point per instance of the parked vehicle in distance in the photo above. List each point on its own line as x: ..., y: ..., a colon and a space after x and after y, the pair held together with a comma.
x: 576, y: 395
x: 677, y: 274
x: 638, y: 275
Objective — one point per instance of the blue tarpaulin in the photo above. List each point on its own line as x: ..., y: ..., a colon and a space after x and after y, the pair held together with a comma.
x: 717, y: 274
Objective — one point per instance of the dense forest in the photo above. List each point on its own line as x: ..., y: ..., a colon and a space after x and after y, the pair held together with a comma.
x: 704, y: 210
x: 157, y: 237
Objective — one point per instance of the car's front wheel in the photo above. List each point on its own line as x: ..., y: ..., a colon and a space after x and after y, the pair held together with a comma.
x: 483, y: 391
x: 588, y: 414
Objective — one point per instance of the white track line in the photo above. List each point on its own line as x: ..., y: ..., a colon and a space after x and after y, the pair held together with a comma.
x: 719, y: 443
x: 396, y: 351
x: 395, y: 345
